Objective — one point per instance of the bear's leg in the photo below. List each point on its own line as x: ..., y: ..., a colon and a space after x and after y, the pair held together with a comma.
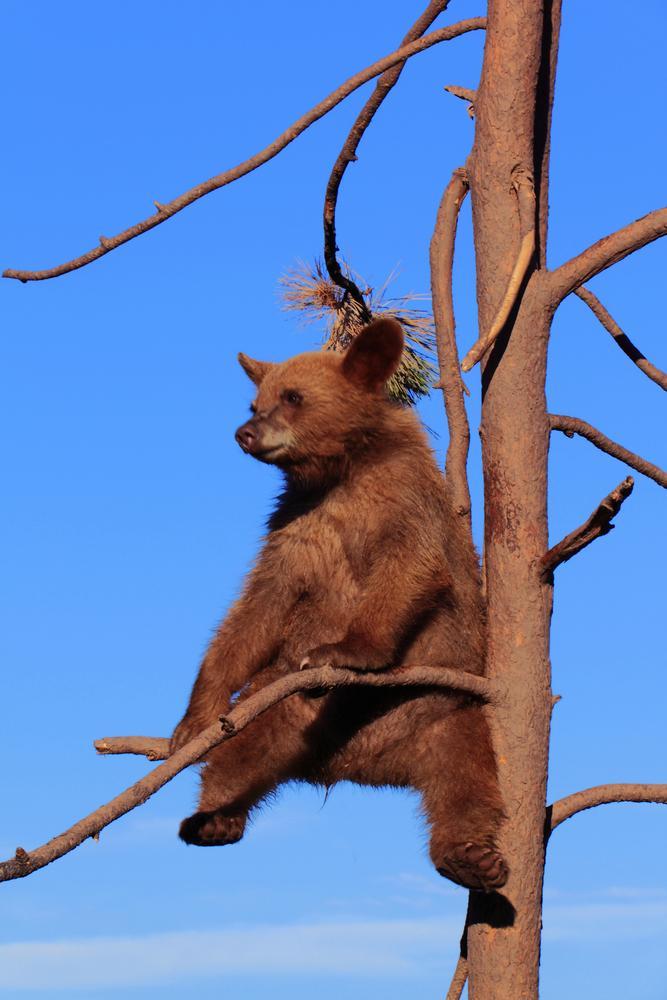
x: 462, y: 803
x: 239, y: 773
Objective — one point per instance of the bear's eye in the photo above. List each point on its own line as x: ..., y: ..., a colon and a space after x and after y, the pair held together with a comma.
x: 253, y: 408
x: 292, y: 397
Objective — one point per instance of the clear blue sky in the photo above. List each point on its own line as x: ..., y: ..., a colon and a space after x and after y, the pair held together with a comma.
x: 129, y: 515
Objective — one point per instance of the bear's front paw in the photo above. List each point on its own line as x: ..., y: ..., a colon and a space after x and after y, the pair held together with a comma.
x: 212, y: 829
x: 349, y: 653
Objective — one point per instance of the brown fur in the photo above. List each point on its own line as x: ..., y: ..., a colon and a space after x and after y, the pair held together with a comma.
x: 364, y: 565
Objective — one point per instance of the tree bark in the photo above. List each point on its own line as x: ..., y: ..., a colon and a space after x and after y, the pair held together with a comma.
x: 513, y: 114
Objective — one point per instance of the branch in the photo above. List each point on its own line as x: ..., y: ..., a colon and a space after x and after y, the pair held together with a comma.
x: 522, y: 185
x: 572, y: 425
x: 602, y: 795
x: 152, y: 747
x: 165, y: 211
x: 464, y: 94
x: 24, y: 862
x: 544, y: 103
x: 607, y: 251
x: 598, y: 524
x: 348, y: 153
x: 459, y: 979
x: 623, y: 341
x: 451, y: 383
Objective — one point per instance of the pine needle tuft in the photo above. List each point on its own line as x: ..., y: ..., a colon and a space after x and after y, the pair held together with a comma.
x: 308, y: 290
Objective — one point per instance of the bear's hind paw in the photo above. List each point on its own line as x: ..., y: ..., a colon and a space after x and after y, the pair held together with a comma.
x: 475, y: 866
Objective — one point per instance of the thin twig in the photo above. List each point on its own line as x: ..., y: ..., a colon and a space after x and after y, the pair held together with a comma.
x: 459, y: 979
x: 165, y: 211
x: 522, y: 185
x: 602, y: 795
x: 460, y: 976
x: 598, y: 524
x: 623, y: 341
x: 573, y: 425
x: 26, y: 862
x: 464, y: 94
x: 451, y: 383
x: 607, y: 251
x: 348, y: 153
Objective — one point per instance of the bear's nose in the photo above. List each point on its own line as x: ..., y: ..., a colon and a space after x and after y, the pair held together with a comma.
x: 246, y: 437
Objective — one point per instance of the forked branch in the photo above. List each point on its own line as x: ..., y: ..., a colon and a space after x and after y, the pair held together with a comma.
x: 603, y: 795
x: 25, y: 862
x: 572, y: 425
x: 348, y: 153
x: 451, y: 383
x: 597, y: 525
x: 607, y: 251
x: 623, y: 341
x: 167, y: 210
x: 523, y: 186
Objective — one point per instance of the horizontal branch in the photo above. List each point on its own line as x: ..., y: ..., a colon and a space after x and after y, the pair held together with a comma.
x: 523, y: 186
x: 572, y: 425
x: 167, y: 210
x: 623, y: 341
x: 26, y: 862
x: 602, y: 795
x: 607, y: 251
x: 152, y: 747
x: 597, y: 525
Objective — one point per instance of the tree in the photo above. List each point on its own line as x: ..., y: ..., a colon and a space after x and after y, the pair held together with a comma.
x: 507, y: 176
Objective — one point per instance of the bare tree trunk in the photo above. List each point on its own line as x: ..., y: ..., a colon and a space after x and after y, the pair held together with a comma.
x: 510, y: 148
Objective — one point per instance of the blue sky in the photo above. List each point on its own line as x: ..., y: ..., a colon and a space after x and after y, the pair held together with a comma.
x: 129, y: 514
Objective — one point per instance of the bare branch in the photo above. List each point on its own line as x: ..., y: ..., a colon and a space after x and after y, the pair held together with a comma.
x: 602, y: 795
x: 348, y: 153
x: 623, y: 341
x: 152, y: 747
x: 451, y: 383
x: 607, y: 251
x: 464, y: 94
x: 572, y: 425
x: 167, y: 210
x: 459, y: 979
x: 598, y: 524
x: 522, y: 185
x: 24, y: 862
x: 544, y: 101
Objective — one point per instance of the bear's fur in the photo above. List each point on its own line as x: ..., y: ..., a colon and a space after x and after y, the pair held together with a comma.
x: 365, y: 565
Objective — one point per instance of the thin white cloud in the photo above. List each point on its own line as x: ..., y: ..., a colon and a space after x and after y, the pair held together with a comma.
x: 377, y: 948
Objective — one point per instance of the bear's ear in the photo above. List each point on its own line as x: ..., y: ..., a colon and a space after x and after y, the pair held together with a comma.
x: 374, y: 354
x: 255, y: 370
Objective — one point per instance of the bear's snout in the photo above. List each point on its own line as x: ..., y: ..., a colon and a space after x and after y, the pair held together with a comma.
x: 246, y: 436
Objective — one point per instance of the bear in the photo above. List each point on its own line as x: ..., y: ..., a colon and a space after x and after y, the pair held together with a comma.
x: 365, y: 565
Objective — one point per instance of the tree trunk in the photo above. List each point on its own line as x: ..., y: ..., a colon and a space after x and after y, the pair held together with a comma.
x: 511, y: 141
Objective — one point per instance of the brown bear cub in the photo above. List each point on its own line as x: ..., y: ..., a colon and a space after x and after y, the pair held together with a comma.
x: 365, y: 565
